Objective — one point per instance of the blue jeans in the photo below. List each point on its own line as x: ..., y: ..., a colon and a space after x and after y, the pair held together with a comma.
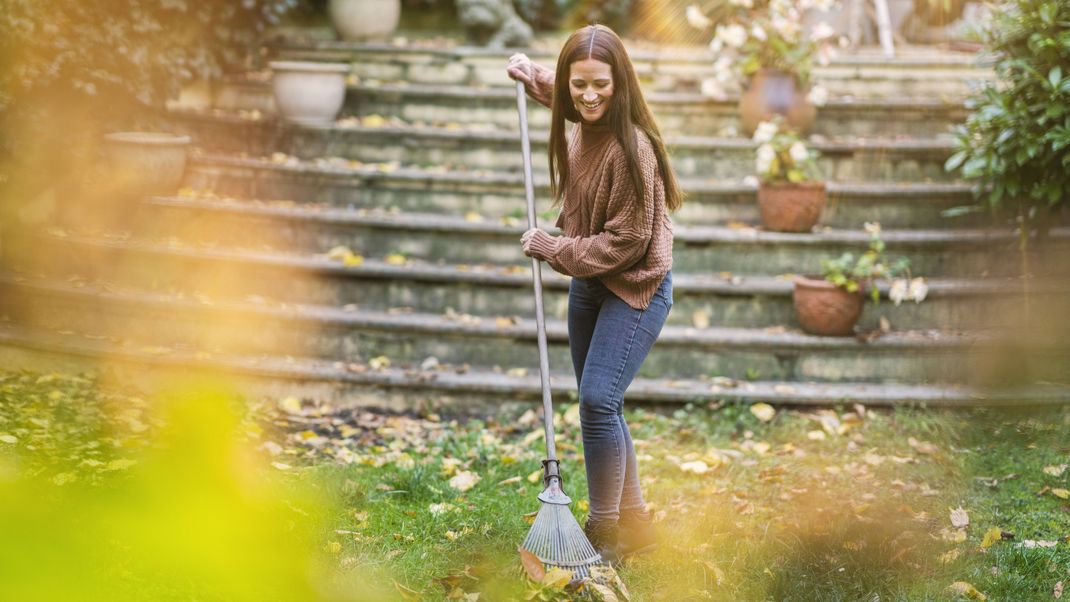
x: 609, y: 341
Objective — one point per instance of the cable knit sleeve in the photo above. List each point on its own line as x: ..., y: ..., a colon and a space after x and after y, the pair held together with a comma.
x: 543, y: 89
x: 625, y: 236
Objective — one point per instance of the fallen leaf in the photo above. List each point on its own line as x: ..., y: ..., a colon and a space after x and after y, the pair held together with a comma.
x: 333, y: 547
x: 532, y: 565
x: 763, y: 411
x: 556, y: 578
x: 1061, y: 493
x: 961, y: 588
x: 1055, y: 471
x: 949, y: 556
x: 695, y: 467
x: 923, y: 447
x: 407, y: 593
x: 1057, y: 591
x: 959, y: 517
x: 395, y: 259
x: 991, y: 536
x: 700, y: 318
x: 718, y: 574
x: 10, y: 439
x: 463, y: 481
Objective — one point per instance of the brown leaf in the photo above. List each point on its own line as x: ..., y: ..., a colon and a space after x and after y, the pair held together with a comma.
x: 532, y: 565
x: 408, y: 593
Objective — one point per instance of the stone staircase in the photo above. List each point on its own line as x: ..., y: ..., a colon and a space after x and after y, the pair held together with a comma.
x: 377, y: 259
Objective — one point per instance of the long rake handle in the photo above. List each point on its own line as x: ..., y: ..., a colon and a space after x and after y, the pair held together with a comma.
x: 536, y: 274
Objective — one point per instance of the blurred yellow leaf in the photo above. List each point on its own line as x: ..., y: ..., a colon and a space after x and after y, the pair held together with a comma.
x: 556, y: 578
x: 949, y: 556
x: 718, y: 574
x: 379, y: 363
x: 395, y: 259
x: 695, y: 467
x: 583, y: 505
x: 535, y: 477
x: 991, y: 536
x: 700, y: 318
x: 1061, y: 493
x: 463, y: 481
x: 12, y: 439
x: 407, y: 593
x: 472, y: 216
x: 961, y: 588
x: 529, y: 518
x: 1055, y: 471
x: 373, y: 121
x: 290, y: 405
x: 763, y: 411
x: 333, y: 547
x: 352, y: 260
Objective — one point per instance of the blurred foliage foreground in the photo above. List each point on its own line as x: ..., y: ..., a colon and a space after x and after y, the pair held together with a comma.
x: 192, y: 493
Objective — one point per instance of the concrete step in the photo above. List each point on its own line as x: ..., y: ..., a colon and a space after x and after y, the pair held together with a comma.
x: 867, y: 74
x: 441, y: 238
x: 730, y: 300
x: 348, y: 384
x: 150, y: 320
x: 849, y: 159
x: 675, y: 112
x: 499, y: 194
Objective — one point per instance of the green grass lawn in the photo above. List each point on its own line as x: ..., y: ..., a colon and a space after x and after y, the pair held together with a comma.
x: 307, y: 502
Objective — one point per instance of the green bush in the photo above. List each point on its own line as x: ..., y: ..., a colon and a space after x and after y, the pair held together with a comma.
x: 1015, y: 144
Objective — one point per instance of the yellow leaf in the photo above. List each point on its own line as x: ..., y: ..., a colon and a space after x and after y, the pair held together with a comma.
x: 961, y: 588
x: 583, y: 505
x: 1061, y: 493
x: 379, y: 363
x: 121, y: 464
x: 763, y: 411
x: 695, y: 467
x: 529, y: 518
x: 1055, y: 471
x: 700, y: 319
x: 395, y: 259
x: 463, y: 481
x: 352, y: 260
x: 10, y: 439
x: 605, y: 594
x: 407, y: 593
x: 556, y: 578
x: 532, y: 565
x: 333, y: 547
x: 472, y: 216
x: 949, y: 556
x: 535, y: 477
x: 290, y: 405
x: 373, y: 121
x: 991, y: 536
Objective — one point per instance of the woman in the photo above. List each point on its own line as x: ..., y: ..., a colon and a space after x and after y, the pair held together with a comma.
x: 612, y: 179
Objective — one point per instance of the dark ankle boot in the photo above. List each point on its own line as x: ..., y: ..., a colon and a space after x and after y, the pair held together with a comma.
x: 637, y: 534
x: 603, y: 536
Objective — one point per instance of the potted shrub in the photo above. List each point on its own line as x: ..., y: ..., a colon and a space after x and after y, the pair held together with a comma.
x: 791, y: 194
x: 309, y: 93
x: 364, y: 20
x: 765, y: 44
x: 144, y: 163
x: 830, y: 304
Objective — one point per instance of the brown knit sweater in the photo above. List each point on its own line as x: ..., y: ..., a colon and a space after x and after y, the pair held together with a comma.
x: 603, y: 235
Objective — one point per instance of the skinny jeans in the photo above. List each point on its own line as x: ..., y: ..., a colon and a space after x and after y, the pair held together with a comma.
x: 609, y: 340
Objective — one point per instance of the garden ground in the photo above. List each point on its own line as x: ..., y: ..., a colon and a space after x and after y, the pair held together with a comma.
x: 200, y: 493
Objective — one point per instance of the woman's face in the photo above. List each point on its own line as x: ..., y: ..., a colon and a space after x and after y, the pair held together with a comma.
x: 590, y: 83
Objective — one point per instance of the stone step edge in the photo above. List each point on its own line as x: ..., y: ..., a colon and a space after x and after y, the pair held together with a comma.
x: 207, y: 158
x: 779, y: 339
x: 939, y: 145
x: 512, y: 277
x: 473, y: 382
x: 679, y: 54
x: 695, y: 234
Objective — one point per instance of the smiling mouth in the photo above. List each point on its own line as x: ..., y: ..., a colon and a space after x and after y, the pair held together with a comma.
x: 591, y: 106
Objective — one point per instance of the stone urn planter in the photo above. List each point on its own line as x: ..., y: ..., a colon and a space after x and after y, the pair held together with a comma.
x: 146, y: 163
x: 364, y: 20
x: 309, y: 93
x: 771, y: 93
x: 822, y: 308
x: 787, y: 207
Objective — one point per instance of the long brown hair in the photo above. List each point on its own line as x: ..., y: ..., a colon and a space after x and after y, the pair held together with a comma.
x: 627, y: 110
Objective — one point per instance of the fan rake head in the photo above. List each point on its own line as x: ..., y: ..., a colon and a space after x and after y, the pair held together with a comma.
x: 556, y: 539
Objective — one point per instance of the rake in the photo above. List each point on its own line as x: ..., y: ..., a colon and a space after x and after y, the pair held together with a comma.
x: 555, y: 538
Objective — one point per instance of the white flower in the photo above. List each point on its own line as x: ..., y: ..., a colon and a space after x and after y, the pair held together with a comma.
x: 764, y: 158
x: 874, y: 228
x: 798, y: 152
x: 696, y: 18
x: 918, y: 290
x: 898, y: 292
x: 712, y: 88
x: 764, y: 132
x: 758, y: 33
x: 787, y: 28
x: 733, y: 35
x: 822, y: 31
x: 818, y: 96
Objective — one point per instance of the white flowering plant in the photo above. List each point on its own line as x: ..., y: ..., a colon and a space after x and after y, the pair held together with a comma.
x: 855, y: 274
x: 749, y: 35
x: 782, y: 156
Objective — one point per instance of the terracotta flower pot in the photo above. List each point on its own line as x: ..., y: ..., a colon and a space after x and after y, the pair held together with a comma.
x: 825, y: 309
x: 364, y: 20
x: 146, y: 163
x: 791, y: 207
x: 770, y: 93
x: 309, y: 93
